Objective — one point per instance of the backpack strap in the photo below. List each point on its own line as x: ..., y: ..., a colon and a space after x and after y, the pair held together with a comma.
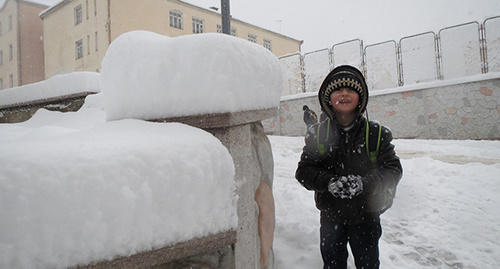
x: 373, y: 144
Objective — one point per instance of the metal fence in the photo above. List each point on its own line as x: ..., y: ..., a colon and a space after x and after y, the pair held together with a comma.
x: 457, y: 51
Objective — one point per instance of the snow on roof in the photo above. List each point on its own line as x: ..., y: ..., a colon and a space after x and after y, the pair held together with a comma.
x: 54, y: 6
x: 46, y: 3
x: 150, y: 76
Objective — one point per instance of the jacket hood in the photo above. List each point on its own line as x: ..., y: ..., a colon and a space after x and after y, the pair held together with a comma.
x: 343, y: 76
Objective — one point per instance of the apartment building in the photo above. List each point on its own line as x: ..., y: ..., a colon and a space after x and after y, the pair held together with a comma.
x: 21, y: 43
x: 77, y: 33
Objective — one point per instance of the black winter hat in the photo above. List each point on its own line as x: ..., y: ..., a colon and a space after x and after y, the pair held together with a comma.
x: 344, y: 76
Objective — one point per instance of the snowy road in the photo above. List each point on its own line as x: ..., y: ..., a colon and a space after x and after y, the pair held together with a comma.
x: 445, y: 214
x: 456, y: 159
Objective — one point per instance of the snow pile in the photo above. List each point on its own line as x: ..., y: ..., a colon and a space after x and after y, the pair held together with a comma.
x: 75, y: 189
x: 56, y: 86
x: 150, y: 76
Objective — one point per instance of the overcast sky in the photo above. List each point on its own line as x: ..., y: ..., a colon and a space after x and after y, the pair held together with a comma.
x: 322, y: 23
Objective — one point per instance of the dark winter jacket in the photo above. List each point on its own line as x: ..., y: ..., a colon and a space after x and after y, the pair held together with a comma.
x: 345, y: 154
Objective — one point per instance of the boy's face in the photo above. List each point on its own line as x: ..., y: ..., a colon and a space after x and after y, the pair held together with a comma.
x: 344, y: 101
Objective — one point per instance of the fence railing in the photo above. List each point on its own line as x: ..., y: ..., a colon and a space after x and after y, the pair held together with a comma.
x: 457, y: 51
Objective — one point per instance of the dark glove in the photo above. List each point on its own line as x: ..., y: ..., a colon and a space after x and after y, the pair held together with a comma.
x: 346, y: 187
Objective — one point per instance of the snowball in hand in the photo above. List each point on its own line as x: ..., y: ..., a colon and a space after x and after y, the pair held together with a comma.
x: 150, y: 76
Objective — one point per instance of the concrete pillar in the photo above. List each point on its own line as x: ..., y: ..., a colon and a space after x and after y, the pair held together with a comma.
x: 243, y: 135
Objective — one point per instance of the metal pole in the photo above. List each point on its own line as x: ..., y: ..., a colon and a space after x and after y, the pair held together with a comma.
x: 226, y: 17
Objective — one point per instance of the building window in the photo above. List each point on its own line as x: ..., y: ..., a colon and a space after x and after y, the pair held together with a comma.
x: 10, y: 23
x: 95, y: 7
x: 198, y: 26
x: 1, y: 57
x: 88, y: 44
x: 176, y: 19
x: 1, y: 29
x: 87, y: 9
x: 267, y: 44
x: 252, y: 38
x: 96, y: 42
x: 78, y: 14
x: 79, y: 49
x: 1, y: 84
x: 11, y: 81
x: 11, y: 52
x: 219, y: 30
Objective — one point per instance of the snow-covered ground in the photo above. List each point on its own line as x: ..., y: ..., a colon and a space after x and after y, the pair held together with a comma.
x: 445, y: 214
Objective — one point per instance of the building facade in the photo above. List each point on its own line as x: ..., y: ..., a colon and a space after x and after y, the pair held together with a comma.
x: 77, y: 33
x: 21, y: 43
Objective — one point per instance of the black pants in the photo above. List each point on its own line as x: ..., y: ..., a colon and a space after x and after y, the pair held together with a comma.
x: 363, y: 240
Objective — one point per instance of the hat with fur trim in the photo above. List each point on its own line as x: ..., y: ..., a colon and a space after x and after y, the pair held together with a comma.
x: 344, y: 76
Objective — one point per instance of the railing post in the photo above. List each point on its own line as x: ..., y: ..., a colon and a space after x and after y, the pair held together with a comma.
x: 437, y: 44
x: 400, y: 64
x: 302, y: 73
x: 483, y: 49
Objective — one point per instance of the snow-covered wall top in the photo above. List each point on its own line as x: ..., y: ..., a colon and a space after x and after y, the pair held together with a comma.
x: 56, y: 86
x: 150, y: 76
x: 75, y: 189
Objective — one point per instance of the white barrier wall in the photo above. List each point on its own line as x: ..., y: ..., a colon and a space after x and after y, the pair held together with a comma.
x: 292, y: 75
x: 316, y: 67
x: 460, y: 51
x: 492, y: 29
x: 381, y: 66
x: 348, y: 53
x: 418, y: 58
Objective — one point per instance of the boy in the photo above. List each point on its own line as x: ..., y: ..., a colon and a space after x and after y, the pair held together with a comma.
x: 353, y: 171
